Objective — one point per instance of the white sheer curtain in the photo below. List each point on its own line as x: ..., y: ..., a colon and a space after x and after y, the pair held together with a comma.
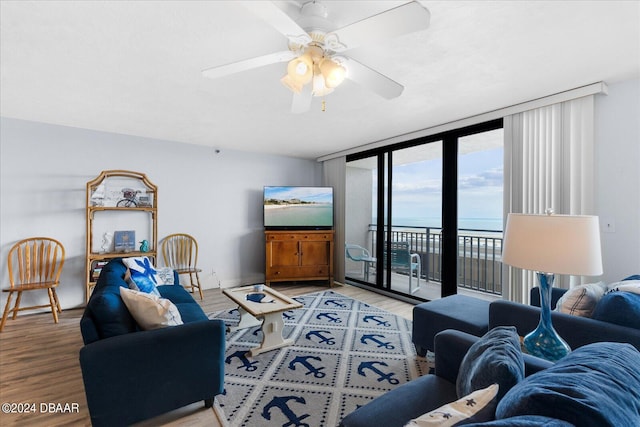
x: 548, y: 164
x: 334, y: 175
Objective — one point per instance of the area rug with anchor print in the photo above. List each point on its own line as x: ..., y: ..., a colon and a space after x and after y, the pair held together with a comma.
x: 345, y: 353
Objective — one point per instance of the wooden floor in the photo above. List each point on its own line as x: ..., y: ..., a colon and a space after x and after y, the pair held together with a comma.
x: 39, y: 363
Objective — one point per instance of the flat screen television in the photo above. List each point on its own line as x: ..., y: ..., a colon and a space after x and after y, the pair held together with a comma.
x: 298, y: 208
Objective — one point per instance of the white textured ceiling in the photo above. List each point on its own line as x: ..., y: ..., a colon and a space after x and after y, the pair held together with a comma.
x: 134, y: 67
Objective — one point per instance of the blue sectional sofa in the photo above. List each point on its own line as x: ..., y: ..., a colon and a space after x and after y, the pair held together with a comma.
x: 132, y: 375
x: 595, y: 386
x: 575, y: 330
x: 616, y: 318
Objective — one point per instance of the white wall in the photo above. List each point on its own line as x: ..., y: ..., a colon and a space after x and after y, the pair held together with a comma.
x: 215, y: 197
x: 617, y: 123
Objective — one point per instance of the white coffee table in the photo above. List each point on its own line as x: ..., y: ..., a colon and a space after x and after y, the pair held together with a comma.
x: 269, y: 314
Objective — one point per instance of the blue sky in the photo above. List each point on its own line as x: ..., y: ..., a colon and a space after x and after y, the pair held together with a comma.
x: 418, y: 187
x: 307, y: 194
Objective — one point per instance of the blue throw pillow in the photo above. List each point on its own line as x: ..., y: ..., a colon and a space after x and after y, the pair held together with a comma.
x: 524, y: 421
x: 597, y: 385
x: 144, y: 277
x: 620, y: 308
x: 496, y: 358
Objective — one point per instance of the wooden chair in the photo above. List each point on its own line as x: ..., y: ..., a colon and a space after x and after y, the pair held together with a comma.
x: 180, y: 252
x: 34, y: 264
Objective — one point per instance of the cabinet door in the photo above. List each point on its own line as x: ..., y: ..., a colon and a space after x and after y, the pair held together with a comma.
x: 314, y: 253
x: 283, y: 253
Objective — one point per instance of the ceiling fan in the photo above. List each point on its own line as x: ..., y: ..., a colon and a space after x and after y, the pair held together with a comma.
x: 316, y: 60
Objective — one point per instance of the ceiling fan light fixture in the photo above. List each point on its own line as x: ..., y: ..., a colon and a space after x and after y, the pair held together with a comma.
x: 332, y: 72
x: 291, y: 84
x: 319, y: 86
x: 300, y: 69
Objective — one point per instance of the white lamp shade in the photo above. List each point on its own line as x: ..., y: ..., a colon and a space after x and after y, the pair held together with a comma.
x: 560, y: 244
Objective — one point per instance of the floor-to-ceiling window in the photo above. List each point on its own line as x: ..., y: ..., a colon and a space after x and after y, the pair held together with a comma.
x: 410, y: 206
x: 480, y: 183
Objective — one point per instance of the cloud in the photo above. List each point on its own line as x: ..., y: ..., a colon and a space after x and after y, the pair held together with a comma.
x: 489, y: 178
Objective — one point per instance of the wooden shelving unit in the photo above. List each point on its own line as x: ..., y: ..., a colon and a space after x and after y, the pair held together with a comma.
x: 109, y: 194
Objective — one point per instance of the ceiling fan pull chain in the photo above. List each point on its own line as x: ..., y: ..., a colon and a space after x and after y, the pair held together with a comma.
x: 324, y: 106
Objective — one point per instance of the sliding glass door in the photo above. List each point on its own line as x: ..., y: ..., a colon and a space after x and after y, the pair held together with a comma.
x: 402, y: 214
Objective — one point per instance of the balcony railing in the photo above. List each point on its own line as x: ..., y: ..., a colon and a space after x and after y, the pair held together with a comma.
x: 479, y: 255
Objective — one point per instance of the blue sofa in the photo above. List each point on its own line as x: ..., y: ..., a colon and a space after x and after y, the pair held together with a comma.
x: 595, y: 386
x: 575, y: 330
x: 132, y: 375
x: 616, y: 318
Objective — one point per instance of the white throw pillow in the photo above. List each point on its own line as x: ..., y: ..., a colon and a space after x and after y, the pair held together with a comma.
x: 477, y: 407
x: 150, y: 311
x: 581, y: 300
x: 165, y: 275
x: 625, y: 286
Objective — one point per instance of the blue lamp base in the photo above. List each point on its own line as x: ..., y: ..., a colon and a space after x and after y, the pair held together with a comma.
x: 544, y: 341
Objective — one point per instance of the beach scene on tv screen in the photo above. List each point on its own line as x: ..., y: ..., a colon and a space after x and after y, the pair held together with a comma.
x: 298, y: 206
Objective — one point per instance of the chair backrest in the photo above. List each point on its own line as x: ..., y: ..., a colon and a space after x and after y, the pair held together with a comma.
x: 355, y: 252
x: 180, y: 251
x: 400, y: 255
x: 35, y: 260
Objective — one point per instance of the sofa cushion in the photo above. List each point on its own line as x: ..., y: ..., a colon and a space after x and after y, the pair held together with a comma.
x: 596, y: 385
x: 190, y: 310
x: 494, y: 358
x: 111, y: 316
x: 405, y: 402
x: 581, y: 300
x: 620, y: 308
x: 478, y: 406
x: 149, y: 310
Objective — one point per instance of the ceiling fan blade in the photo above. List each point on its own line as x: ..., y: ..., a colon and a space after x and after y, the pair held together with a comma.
x: 279, y: 20
x: 302, y: 101
x: 248, y: 64
x: 405, y: 19
x: 373, y: 80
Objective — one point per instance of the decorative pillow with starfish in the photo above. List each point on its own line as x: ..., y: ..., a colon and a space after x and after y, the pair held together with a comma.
x: 476, y: 407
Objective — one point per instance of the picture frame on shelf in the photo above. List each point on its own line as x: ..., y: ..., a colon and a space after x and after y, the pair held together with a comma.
x: 124, y: 241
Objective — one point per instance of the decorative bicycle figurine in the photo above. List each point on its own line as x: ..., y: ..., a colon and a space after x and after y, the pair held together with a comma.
x: 130, y: 198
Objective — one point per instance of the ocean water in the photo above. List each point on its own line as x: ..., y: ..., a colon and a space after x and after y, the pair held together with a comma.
x: 299, y: 215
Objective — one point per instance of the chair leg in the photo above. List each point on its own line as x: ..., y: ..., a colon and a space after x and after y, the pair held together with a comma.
x: 16, y: 306
x: 6, y: 311
x: 55, y: 296
x: 188, y: 287
x: 199, y: 287
x: 54, y: 308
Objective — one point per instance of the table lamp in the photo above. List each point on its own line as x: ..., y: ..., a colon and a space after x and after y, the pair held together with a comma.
x: 551, y: 244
